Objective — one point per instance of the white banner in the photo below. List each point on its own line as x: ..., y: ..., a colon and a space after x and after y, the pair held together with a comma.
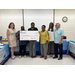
x: 4, y: 52
x: 72, y: 47
x: 29, y: 35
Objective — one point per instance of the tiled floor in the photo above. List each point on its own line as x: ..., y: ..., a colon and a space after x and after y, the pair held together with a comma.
x: 67, y: 60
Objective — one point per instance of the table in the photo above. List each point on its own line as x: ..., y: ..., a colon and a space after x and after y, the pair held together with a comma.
x: 5, y: 51
x: 16, y: 51
x: 4, y: 54
x: 38, y: 51
x: 66, y: 47
x: 72, y: 49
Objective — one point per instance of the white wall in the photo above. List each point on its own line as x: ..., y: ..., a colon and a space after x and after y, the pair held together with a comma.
x: 10, y: 15
x: 69, y: 26
x: 38, y: 16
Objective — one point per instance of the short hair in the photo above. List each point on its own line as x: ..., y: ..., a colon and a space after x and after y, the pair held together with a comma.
x: 22, y: 26
x: 58, y: 24
x: 10, y: 24
x: 32, y: 23
x: 44, y: 26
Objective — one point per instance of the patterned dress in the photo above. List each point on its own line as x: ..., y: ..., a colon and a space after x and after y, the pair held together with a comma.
x: 12, y: 38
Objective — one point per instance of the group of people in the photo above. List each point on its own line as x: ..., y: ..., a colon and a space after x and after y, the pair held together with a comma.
x: 50, y: 41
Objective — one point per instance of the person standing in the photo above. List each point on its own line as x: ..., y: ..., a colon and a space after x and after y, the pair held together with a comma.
x: 51, y: 35
x: 58, y: 38
x: 44, y: 38
x: 22, y: 44
x: 11, y: 36
x: 32, y: 43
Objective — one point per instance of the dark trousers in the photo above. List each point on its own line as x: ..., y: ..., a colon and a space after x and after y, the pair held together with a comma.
x: 22, y: 47
x: 60, y: 47
x: 51, y: 47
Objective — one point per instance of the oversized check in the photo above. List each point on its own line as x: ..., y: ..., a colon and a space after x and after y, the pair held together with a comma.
x: 29, y: 35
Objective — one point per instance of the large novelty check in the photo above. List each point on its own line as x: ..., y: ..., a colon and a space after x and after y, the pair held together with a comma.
x: 29, y: 35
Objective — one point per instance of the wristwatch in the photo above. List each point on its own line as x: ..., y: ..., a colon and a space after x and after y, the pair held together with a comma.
x: 46, y: 41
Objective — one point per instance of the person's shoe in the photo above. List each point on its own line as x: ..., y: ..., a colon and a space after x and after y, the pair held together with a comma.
x: 59, y: 58
x: 20, y: 56
x: 41, y: 56
x: 54, y: 57
x: 45, y: 58
x: 35, y: 56
x: 13, y: 57
x: 31, y: 56
x: 24, y: 56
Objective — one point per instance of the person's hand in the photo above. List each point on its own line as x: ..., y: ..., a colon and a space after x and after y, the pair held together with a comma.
x: 46, y: 42
x: 38, y: 31
x: 29, y: 40
x: 60, y: 43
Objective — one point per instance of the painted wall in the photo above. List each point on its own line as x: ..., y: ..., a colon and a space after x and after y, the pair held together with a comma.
x: 39, y: 16
x: 69, y: 26
x: 10, y: 15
